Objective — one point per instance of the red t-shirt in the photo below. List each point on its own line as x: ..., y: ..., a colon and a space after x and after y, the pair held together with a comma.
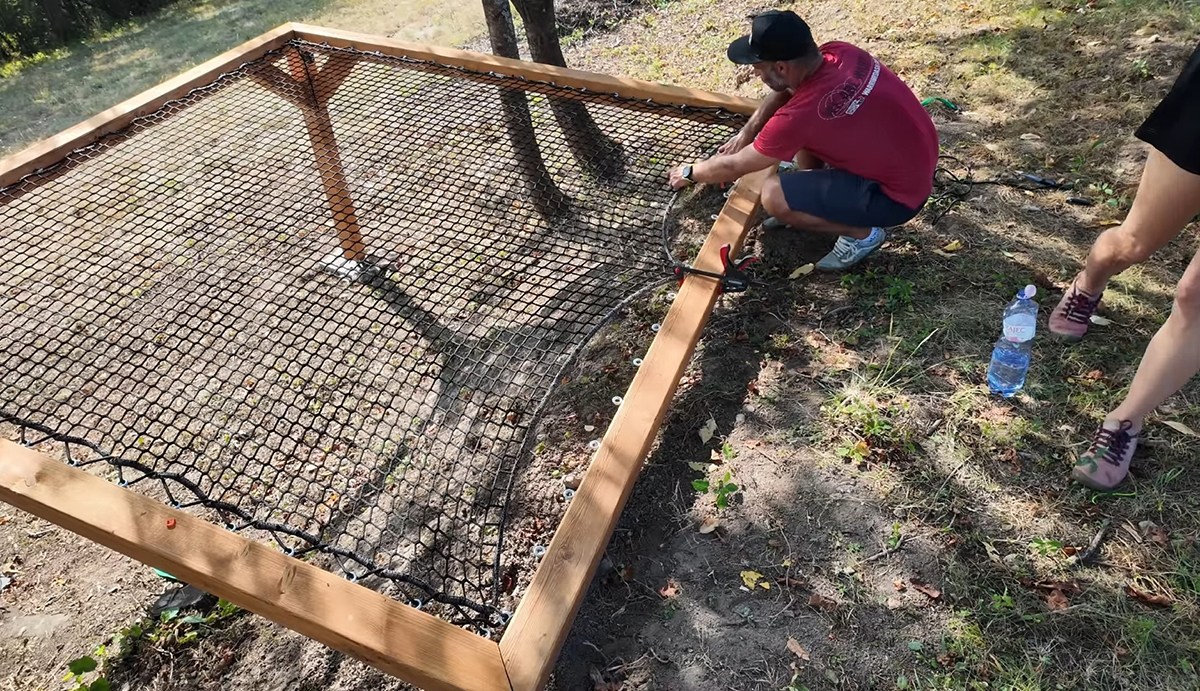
x: 858, y: 116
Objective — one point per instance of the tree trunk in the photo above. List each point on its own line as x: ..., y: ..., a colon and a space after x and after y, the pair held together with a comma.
x: 548, y: 199
x: 58, y: 22
x: 600, y: 155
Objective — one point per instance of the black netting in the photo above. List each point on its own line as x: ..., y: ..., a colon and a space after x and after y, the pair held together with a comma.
x: 335, y: 318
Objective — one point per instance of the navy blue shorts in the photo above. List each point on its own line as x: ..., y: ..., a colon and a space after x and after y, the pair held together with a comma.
x: 842, y: 197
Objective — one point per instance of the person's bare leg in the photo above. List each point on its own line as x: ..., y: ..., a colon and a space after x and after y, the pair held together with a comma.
x: 1167, y: 198
x: 1173, y: 356
x: 776, y: 205
x: 1171, y: 359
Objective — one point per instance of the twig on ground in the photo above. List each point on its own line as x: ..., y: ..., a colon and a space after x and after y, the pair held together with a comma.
x: 1093, y: 547
x: 888, y: 550
x: 835, y: 311
x: 948, y: 478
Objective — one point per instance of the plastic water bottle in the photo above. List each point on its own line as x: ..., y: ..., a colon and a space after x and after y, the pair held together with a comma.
x: 1011, y: 356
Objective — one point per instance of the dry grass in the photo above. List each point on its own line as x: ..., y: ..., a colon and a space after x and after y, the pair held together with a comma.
x: 48, y: 93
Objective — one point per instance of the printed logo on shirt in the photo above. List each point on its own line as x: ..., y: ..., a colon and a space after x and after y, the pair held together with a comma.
x: 847, y: 97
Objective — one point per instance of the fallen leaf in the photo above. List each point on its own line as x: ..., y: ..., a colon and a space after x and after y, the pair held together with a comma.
x: 671, y: 589
x: 791, y: 582
x: 715, y: 457
x: 786, y: 563
x: 709, y: 524
x: 797, y: 649
x: 1148, y: 598
x: 802, y: 271
x: 1056, y: 600
x: 1100, y: 321
x: 953, y: 246
x: 942, y: 254
x: 1066, y: 587
x: 1180, y: 427
x: 822, y: 602
x: 1110, y: 222
x: 1153, y: 532
x: 706, y: 432
x: 1094, y: 375
x: 925, y: 588
x: 751, y: 578
x: 1030, y: 137
x: 898, y: 584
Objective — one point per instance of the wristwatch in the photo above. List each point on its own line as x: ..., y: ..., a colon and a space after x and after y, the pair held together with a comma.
x: 687, y: 174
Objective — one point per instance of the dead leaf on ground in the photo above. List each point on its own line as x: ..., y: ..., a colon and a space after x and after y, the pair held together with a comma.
x: 952, y: 246
x: 822, y: 602
x: 925, y: 588
x: 1154, y: 533
x: 671, y: 589
x: 706, y: 432
x: 754, y: 578
x: 791, y: 582
x: 1030, y: 137
x: 1148, y: 598
x: 1180, y: 427
x: 1067, y: 587
x: 1100, y: 321
x: 802, y: 271
x: 709, y: 524
x: 898, y: 584
x: 1094, y: 375
x: 1056, y: 600
x: 797, y: 649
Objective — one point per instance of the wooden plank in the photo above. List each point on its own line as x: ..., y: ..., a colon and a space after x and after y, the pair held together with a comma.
x: 629, y: 88
x: 329, y: 164
x: 398, y: 639
x: 54, y: 149
x: 544, y: 616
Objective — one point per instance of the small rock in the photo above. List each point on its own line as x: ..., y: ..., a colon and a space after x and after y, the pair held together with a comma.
x: 1155, y: 38
x: 894, y: 603
x: 1031, y: 207
x: 572, y: 481
x: 900, y: 512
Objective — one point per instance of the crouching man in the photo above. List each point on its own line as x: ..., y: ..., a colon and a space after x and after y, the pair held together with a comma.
x: 864, y: 148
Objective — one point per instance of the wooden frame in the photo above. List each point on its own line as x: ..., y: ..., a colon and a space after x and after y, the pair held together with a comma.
x: 397, y: 639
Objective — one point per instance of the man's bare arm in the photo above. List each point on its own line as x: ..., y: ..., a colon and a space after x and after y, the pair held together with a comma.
x: 758, y: 120
x: 724, y: 168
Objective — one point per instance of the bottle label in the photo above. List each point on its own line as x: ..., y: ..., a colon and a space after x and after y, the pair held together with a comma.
x: 1019, y: 333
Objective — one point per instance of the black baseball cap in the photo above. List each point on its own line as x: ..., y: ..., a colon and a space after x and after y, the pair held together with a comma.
x: 775, y: 36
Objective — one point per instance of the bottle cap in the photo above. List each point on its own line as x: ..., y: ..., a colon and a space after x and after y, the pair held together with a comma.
x: 1029, y: 291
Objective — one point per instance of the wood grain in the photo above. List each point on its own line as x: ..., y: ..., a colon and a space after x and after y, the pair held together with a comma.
x: 397, y: 639
x: 540, y: 625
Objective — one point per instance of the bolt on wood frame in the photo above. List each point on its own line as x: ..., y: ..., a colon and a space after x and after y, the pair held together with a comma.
x: 398, y: 639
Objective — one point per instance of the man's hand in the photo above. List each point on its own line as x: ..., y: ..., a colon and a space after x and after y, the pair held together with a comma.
x: 677, y: 180
x: 736, y: 143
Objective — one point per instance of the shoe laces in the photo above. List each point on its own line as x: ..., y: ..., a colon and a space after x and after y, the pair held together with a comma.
x: 1112, y: 444
x: 1080, y: 306
x: 845, y: 247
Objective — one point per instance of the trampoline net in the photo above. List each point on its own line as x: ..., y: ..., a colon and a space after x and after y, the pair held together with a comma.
x: 177, y: 298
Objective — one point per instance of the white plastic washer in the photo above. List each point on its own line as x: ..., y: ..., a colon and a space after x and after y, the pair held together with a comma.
x: 617, y: 400
x: 637, y: 362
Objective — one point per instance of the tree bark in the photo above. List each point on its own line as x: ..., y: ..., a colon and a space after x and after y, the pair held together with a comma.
x: 548, y: 199
x: 600, y: 155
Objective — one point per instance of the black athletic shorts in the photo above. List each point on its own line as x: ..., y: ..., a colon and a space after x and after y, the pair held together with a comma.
x: 1174, y: 126
x: 842, y: 197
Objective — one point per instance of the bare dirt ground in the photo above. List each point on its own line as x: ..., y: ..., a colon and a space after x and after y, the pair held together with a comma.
x: 914, y: 531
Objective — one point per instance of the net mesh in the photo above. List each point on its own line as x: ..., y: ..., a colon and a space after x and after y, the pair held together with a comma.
x: 327, y: 296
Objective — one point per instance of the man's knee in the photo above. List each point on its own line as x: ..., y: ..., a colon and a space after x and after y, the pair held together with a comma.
x: 773, y: 200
